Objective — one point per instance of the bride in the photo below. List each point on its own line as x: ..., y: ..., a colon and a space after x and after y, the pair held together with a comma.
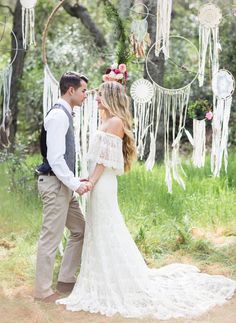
x: 114, y: 279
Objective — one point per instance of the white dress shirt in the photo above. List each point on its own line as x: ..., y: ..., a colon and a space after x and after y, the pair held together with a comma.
x: 57, y: 124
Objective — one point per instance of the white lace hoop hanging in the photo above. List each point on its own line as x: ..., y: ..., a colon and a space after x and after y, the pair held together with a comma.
x: 142, y: 92
x: 223, y: 84
x: 5, y: 88
x: 173, y: 101
x: 28, y: 22
x: 139, y: 37
x: 209, y: 17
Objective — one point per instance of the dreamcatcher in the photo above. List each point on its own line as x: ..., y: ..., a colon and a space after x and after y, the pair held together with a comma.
x: 174, y: 103
x: 164, y: 8
x: 223, y: 88
x: 209, y: 17
x: 139, y: 37
x: 141, y: 92
x: 5, y: 87
x: 85, y: 118
x: 28, y: 18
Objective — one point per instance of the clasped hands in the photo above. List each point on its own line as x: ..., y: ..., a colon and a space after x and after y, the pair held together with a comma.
x: 86, y: 186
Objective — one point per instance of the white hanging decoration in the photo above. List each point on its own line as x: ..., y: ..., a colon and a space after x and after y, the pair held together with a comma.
x: 85, y: 124
x: 28, y: 22
x: 50, y: 90
x: 223, y: 88
x: 164, y: 8
x: 199, y: 142
x: 174, y: 102
x: 142, y: 92
x: 209, y: 17
x: 5, y: 89
x: 139, y: 37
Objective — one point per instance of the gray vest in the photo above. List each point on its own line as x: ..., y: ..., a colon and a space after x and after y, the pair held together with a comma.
x: 70, y: 140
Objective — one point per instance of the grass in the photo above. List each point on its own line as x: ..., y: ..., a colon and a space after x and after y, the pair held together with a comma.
x: 161, y: 223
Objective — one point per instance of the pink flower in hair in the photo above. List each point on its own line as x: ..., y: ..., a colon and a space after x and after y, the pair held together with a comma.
x: 122, y: 68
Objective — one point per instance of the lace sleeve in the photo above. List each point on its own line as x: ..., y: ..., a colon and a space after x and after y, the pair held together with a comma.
x: 106, y: 149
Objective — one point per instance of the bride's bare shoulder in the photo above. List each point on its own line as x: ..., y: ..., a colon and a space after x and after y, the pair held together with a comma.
x: 115, y: 126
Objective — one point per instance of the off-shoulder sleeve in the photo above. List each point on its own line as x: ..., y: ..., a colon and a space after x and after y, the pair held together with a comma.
x: 106, y: 149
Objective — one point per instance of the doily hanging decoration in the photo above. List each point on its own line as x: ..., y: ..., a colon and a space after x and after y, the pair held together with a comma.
x: 142, y: 91
x: 28, y: 22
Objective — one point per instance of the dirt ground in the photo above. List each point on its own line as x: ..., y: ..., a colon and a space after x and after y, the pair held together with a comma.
x: 18, y: 306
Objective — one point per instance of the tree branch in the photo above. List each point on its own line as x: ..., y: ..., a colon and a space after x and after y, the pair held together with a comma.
x: 81, y: 12
x: 5, y: 6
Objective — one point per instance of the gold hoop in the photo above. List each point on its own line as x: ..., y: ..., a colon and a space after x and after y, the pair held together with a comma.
x: 44, y: 56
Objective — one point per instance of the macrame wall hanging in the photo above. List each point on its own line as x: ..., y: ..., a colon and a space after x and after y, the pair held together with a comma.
x: 223, y: 87
x: 174, y: 103
x: 209, y: 17
x: 28, y: 19
x: 164, y: 8
x: 139, y: 36
x: 200, y: 112
x: 5, y: 89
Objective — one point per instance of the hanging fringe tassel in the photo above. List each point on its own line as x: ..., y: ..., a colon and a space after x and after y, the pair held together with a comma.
x: 208, y: 36
x: 220, y: 130
x: 6, y: 113
x: 174, y: 103
x: 199, y: 143
x: 50, y: 90
x: 164, y: 8
x: 85, y: 125
x: 28, y: 30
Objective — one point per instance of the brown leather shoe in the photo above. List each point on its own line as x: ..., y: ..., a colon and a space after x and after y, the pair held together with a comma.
x: 50, y: 299
x: 65, y: 287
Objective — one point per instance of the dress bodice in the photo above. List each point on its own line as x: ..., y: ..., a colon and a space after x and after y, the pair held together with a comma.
x: 106, y: 149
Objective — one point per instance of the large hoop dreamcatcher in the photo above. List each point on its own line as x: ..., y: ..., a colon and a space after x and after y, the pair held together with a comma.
x: 85, y: 118
x: 5, y: 89
x: 28, y: 18
x: 209, y: 17
x: 223, y: 84
x: 174, y: 102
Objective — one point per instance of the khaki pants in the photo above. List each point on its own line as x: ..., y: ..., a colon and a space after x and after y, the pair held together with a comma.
x: 60, y: 209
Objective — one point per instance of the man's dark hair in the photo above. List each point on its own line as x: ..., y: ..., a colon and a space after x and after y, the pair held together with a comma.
x: 69, y: 79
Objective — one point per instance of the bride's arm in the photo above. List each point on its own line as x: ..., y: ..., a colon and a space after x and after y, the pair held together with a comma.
x: 99, y: 169
x: 115, y: 127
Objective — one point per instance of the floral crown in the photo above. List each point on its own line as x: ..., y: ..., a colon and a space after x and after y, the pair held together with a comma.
x: 116, y: 73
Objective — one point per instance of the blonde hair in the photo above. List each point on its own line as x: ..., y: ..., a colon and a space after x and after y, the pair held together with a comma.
x: 115, y: 100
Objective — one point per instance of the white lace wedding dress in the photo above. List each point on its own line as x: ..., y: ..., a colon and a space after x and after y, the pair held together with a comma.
x: 114, y: 277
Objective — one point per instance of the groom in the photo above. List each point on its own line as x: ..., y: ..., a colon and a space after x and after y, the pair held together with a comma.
x: 56, y: 184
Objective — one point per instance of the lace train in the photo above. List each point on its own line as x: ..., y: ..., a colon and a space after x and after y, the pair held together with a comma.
x: 115, y: 279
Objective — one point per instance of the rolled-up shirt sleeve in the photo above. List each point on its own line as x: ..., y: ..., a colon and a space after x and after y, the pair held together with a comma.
x: 56, y: 124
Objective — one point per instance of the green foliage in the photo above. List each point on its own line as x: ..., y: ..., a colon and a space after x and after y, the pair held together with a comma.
x: 198, y: 109
x: 123, y: 49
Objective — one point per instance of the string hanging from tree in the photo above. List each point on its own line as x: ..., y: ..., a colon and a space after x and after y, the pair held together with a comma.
x: 164, y: 8
x: 28, y: 22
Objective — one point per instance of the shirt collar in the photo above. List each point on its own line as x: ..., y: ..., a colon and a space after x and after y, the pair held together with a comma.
x: 65, y: 105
